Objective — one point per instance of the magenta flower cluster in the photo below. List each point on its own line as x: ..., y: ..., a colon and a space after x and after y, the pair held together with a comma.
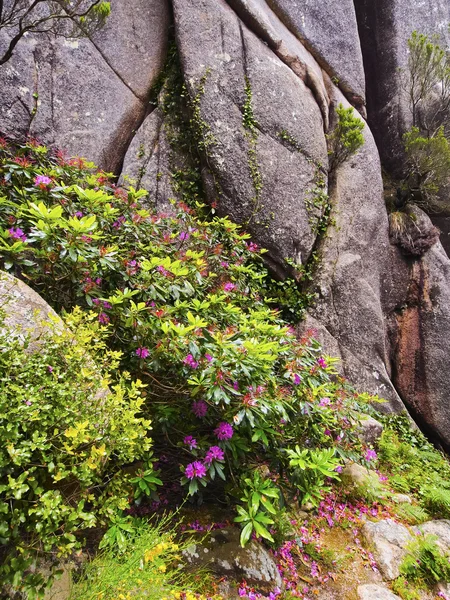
x: 17, y: 234
x: 224, y: 431
x: 190, y: 361
x: 199, y: 408
x: 195, y: 469
x: 42, y: 180
x: 142, y: 352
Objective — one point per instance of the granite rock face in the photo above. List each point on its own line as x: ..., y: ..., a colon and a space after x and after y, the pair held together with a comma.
x: 87, y: 96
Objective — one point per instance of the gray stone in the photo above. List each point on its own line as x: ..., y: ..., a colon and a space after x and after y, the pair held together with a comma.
x: 388, y: 540
x: 361, y: 482
x: 412, y: 230
x: 353, y: 276
x: 370, y: 430
x: 229, y: 56
x: 329, y: 31
x: 401, y: 499
x: 147, y: 164
x: 223, y: 554
x: 27, y: 315
x: 91, y: 95
x: 440, y: 529
x: 375, y: 592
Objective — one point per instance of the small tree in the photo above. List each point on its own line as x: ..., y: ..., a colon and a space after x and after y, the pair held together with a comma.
x: 428, y: 81
x: 427, y: 147
x: 68, y: 18
x: 346, y: 138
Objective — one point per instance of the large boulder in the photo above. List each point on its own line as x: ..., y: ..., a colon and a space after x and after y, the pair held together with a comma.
x: 420, y: 334
x: 388, y: 540
x: 87, y: 96
x: 249, y: 102
x: 25, y: 313
x: 222, y: 553
x: 329, y: 31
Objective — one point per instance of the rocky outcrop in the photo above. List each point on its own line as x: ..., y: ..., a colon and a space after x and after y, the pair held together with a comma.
x: 389, y: 540
x: 87, y: 96
x: 262, y: 81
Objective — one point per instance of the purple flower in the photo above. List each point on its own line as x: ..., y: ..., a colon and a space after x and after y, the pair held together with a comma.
x: 42, y: 180
x: 324, y: 402
x: 190, y: 441
x: 79, y: 214
x: 327, y: 432
x: 338, y: 469
x: 142, y: 352
x: 195, y: 469
x: 183, y: 236
x: 103, y: 318
x: 322, y: 363
x: 214, y: 453
x: 236, y: 386
x: 224, y: 264
x: 297, y: 379
x: 224, y: 431
x: 229, y: 287
x: 17, y: 234
x: 370, y: 455
x: 208, y: 357
x: 199, y: 408
x: 49, y: 369
x: 190, y: 362
x: 242, y: 592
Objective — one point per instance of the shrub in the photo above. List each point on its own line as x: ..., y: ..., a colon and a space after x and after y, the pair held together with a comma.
x: 425, y: 562
x: 147, y: 567
x: 428, y: 164
x: 63, y: 441
x: 346, y: 138
x: 228, y: 384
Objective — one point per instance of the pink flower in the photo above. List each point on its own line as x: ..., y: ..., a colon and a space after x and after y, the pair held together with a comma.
x: 103, y: 318
x: 190, y: 441
x: 338, y: 469
x: 229, y: 287
x: 214, y: 453
x: 142, y: 352
x: 324, y: 402
x: 195, y: 469
x: 190, y: 362
x: 208, y: 357
x: 224, y: 431
x: 370, y: 455
x: 199, y: 408
x: 183, y: 236
x: 42, y: 181
x: 322, y: 363
x: 297, y: 379
x: 17, y: 234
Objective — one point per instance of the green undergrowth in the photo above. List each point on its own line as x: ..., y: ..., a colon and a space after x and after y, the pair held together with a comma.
x: 149, y: 565
x: 415, y: 467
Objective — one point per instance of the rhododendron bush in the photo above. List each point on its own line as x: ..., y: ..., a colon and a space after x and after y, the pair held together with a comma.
x: 229, y: 386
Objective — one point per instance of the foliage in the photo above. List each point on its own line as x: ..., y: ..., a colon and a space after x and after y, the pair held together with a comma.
x: 146, y: 566
x: 428, y: 163
x: 69, y: 18
x: 415, y: 466
x: 261, y: 498
x: 427, y: 82
x: 425, y: 562
x: 228, y: 384
x: 406, y: 590
x: 63, y: 440
x: 311, y: 470
x: 346, y: 138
